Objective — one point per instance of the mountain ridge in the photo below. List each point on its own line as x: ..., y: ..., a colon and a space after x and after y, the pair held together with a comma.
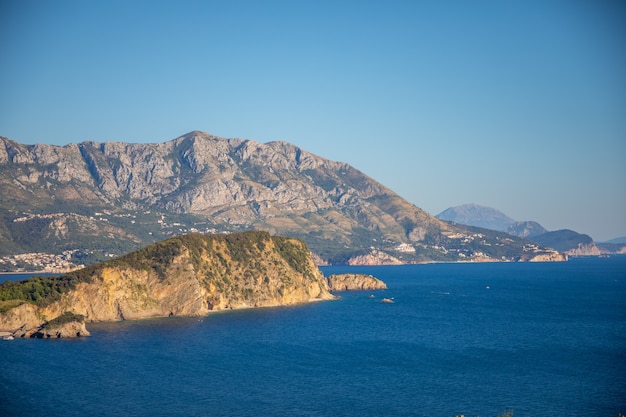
x: 113, y: 197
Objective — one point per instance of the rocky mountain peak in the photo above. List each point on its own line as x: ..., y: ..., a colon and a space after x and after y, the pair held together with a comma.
x: 476, y: 215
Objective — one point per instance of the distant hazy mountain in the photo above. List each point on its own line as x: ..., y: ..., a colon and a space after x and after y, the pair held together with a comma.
x: 113, y: 197
x: 565, y: 241
x: 479, y: 216
x: 527, y: 229
x: 619, y: 240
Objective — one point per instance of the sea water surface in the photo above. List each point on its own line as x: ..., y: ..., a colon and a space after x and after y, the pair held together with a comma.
x: 475, y: 339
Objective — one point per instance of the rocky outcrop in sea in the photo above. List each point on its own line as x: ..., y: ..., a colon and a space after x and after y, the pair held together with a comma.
x: 354, y: 282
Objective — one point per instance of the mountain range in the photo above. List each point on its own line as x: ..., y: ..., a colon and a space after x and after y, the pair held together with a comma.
x: 91, y: 200
x: 565, y: 240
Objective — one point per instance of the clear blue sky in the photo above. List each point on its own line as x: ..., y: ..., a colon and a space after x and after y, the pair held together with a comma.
x: 517, y: 105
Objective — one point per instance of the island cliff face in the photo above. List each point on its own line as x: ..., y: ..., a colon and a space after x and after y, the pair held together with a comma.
x: 188, y: 275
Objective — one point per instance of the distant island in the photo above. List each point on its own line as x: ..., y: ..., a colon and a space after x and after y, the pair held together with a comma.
x: 190, y: 275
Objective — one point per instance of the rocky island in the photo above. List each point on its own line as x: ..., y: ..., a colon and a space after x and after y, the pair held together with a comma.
x: 190, y: 275
x: 354, y: 282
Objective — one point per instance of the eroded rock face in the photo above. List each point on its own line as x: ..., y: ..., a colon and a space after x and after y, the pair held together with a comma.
x: 354, y: 282
x: 184, y: 276
x: 589, y: 249
x: 216, y: 174
x: 20, y: 319
x: 549, y: 257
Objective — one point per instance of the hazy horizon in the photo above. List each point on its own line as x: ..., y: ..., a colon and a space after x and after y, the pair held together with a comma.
x: 517, y: 106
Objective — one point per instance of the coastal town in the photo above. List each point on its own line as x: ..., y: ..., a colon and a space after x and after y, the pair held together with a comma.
x: 40, y: 262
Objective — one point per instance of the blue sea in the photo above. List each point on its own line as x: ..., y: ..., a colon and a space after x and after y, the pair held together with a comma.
x: 475, y: 339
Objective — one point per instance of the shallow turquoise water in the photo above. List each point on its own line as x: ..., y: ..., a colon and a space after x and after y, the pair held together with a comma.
x: 542, y: 339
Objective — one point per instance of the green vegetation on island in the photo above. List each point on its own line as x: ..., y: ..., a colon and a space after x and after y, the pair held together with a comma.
x: 39, y: 290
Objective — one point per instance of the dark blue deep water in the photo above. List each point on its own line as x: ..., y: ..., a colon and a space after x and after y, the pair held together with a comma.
x: 474, y: 339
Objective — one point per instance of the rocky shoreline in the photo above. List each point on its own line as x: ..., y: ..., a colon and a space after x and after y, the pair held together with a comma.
x: 75, y: 326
